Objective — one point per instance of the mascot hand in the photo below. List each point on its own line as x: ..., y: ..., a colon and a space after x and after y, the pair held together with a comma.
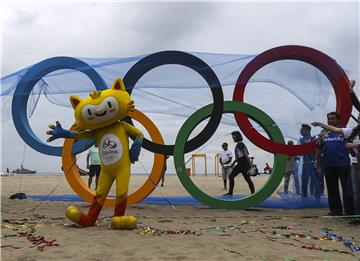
x: 57, y: 132
x: 135, y: 149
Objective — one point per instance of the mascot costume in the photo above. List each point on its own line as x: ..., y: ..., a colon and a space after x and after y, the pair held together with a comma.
x: 98, y: 117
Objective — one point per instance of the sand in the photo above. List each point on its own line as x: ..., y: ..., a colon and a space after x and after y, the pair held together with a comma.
x: 165, y: 233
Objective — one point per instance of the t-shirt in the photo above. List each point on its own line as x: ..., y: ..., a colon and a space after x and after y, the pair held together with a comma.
x: 333, y: 147
x: 225, y: 156
x: 347, y: 132
x: 309, y: 157
x: 354, y: 159
x: 94, y: 156
x: 239, y: 150
x: 290, y: 164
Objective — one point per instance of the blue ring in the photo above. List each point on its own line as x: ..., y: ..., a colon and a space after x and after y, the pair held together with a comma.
x: 24, y: 88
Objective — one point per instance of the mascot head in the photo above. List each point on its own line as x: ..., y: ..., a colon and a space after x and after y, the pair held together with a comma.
x: 102, y: 108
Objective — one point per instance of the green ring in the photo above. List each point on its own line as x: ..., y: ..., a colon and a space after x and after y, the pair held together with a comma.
x: 252, y: 200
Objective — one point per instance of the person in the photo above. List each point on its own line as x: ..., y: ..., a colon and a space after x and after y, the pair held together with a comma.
x: 355, y: 101
x: 93, y: 164
x: 226, y: 157
x: 321, y: 174
x: 354, y: 145
x: 241, y: 163
x: 7, y: 170
x: 267, y: 169
x: 355, y: 173
x: 291, y: 163
x: 308, y: 172
x: 164, y: 170
x: 331, y: 143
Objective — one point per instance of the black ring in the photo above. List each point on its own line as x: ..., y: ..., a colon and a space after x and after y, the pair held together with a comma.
x: 188, y: 60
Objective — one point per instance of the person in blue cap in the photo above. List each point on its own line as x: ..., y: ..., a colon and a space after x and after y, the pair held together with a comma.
x: 308, y: 172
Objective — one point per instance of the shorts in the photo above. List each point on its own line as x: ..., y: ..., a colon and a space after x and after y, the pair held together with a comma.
x: 225, y: 171
x: 94, y: 170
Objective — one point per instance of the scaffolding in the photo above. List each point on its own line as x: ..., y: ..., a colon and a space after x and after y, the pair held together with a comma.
x: 217, y: 165
x: 193, y: 163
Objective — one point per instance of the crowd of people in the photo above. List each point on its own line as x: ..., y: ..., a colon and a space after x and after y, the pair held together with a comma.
x: 335, y: 159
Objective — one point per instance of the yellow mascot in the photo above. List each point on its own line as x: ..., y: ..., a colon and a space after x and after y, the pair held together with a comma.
x: 98, y: 117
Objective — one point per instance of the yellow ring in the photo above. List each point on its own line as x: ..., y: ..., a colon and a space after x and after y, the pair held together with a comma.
x: 77, y: 184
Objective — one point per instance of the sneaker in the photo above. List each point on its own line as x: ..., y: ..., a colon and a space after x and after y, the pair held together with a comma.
x: 227, y: 194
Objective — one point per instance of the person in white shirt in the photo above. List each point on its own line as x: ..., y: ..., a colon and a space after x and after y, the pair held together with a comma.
x: 94, y: 165
x: 225, y: 160
x: 291, y: 165
x: 355, y: 174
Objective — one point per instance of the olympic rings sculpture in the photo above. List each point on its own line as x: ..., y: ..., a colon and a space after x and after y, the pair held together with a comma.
x: 240, y: 109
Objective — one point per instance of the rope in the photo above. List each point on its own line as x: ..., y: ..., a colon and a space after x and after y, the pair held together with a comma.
x: 22, y: 164
x: 52, y: 191
x: 155, y: 185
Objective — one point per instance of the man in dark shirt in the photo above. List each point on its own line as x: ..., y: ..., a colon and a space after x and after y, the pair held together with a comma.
x: 336, y: 163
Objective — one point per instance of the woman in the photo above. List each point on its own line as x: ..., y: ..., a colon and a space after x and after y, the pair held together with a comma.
x: 242, y: 161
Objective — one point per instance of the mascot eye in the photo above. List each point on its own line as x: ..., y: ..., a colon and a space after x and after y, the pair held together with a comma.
x: 109, y: 104
x: 89, y: 111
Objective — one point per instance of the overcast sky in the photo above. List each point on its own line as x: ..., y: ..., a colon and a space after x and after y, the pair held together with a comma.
x: 32, y: 32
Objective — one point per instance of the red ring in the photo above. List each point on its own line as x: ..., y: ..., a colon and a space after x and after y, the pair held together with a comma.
x: 321, y: 61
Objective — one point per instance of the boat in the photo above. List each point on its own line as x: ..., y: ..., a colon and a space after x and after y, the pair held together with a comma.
x: 22, y: 170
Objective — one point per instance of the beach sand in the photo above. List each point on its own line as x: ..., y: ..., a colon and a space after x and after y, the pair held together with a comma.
x: 165, y: 233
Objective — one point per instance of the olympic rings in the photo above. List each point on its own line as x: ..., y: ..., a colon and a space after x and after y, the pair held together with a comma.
x: 77, y: 184
x: 241, y: 111
x: 314, y: 57
x: 252, y: 200
x: 24, y: 88
x: 175, y: 57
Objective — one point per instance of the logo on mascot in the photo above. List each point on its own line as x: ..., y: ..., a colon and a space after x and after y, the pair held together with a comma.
x: 110, y: 150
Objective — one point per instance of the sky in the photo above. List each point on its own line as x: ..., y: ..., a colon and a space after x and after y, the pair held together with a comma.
x: 33, y: 31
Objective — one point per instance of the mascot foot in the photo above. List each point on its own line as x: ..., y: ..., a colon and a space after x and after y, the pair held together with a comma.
x: 84, y: 220
x: 73, y: 214
x: 124, y: 222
